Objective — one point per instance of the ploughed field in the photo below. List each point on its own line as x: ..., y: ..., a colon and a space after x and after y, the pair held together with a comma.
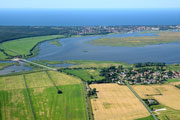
x: 167, y: 95
x: 116, y: 102
x: 47, y: 104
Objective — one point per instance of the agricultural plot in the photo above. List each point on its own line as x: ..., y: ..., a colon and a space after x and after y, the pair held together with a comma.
x: 12, y: 83
x: 67, y: 106
x: 14, y: 105
x: 46, y: 103
x: 167, y: 95
x: 116, y: 102
x: 63, y: 79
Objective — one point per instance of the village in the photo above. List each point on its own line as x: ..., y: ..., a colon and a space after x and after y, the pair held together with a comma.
x: 148, y: 75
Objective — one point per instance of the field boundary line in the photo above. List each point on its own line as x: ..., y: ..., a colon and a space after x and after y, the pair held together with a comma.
x: 84, y: 94
x: 58, y: 90
x: 146, y: 106
x: 30, y: 99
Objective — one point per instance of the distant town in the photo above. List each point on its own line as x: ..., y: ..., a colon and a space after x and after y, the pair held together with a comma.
x: 117, y: 29
x: 152, y: 73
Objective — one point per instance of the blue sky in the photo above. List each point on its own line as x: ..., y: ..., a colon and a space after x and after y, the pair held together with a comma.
x: 89, y: 3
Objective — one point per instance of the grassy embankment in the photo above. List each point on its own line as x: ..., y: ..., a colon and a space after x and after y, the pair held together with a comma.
x: 164, y: 37
x: 25, y: 46
x: 85, y: 63
x: 47, y: 104
x: 96, y: 64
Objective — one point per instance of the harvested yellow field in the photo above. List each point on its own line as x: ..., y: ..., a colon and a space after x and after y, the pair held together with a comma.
x: 167, y: 95
x: 116, y: 102
x: 147, y: 91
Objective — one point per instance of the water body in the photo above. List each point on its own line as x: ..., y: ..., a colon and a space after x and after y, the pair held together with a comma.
x: 7, y: 62
x: 79, y: 49
x: 73, y: 49
x: 81, y: 17
x: 15, y: 69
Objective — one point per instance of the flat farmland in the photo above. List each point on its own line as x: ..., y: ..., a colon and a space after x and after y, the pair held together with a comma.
x: 12, y: 82
x: 167, y: 95
x: 41, y: 79
x: 14, y: 105
x: 116, y: 102
x: 67, y: 106
x: 47, y: 104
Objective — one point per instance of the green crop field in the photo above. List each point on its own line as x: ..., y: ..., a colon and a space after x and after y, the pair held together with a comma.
x: 46, y: 103
x: 67, y: 106
x: 86, y: 74
x: 14, y: 105
x: 163, y: 37
x: 24, y: 45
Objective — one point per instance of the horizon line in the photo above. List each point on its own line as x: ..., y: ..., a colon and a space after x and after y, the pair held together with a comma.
x: 96, y: 8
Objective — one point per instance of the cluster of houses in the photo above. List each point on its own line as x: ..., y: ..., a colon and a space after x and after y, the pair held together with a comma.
x: 140, y: 76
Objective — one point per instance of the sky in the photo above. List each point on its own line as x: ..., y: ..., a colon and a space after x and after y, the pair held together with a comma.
x: 89, y: 3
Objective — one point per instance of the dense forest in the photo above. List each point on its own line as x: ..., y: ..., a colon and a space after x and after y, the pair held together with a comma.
x: 16, y: 32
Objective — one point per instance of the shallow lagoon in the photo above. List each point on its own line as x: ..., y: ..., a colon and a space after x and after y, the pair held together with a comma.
x: 15, y: 69
x: 79, y: 49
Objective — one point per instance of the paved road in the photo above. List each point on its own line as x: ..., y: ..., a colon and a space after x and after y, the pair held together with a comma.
x: 147, y: 107
x: 43, y: 66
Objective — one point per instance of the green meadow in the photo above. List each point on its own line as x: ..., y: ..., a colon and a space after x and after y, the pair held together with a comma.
x: 46, y: 102
x: 25, y: 46
x: 86, y: 74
